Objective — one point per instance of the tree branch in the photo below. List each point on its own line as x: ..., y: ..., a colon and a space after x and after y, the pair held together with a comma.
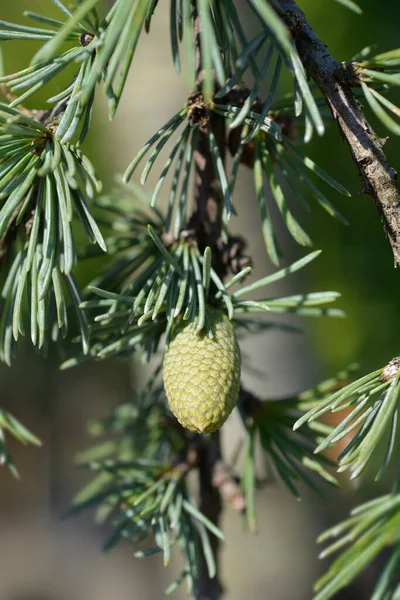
x: 211, y: 507
x: 378, y: 176
x: 207, y: 222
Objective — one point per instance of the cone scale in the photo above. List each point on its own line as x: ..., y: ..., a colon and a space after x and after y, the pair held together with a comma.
x: 202, y: 374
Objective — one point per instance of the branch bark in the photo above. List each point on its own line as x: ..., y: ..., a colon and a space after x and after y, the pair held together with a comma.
x: 207, y: 220
x: 211, y: 507
x: 378, y: 176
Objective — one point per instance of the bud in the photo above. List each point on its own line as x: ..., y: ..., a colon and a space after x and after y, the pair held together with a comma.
x: 202, y: 374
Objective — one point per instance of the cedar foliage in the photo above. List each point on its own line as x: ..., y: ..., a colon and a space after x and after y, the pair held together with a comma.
x: 175, y: 265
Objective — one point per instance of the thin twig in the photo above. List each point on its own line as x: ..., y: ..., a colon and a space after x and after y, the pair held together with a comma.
x: 379, y: 179
x: 230, y: 491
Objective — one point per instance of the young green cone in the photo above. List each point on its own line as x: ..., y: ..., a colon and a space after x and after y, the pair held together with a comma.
x: 202, y: 374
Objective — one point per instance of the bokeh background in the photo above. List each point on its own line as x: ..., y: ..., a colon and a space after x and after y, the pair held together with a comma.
x: 46, y: 558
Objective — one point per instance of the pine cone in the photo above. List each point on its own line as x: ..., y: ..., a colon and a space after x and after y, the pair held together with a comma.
x: 202, y: 374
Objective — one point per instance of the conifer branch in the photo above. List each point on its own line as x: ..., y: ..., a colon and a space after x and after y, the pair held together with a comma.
x: 379, y: 179
x: 166, y: 277
x: 207, y: 214
x: 211, y: 507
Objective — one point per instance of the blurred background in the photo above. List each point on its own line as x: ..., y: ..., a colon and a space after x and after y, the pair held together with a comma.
x: 46, y: 558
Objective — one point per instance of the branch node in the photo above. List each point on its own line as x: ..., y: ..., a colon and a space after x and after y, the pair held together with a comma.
x: 198, y: 111
x: 391, y: 370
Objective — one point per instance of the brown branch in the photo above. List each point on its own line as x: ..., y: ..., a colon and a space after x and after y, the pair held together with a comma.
x: 216, y: 485
x: 249, y: 405
x: 207, y: 221
x: 211, y: 507
x: 378, y: 176
x: 207, y: 215
x: 191, y: 457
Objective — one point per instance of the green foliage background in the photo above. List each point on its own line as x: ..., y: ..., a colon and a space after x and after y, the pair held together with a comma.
x: 357, y: 259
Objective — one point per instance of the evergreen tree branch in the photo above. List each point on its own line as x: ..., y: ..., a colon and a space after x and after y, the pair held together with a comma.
x: 211, y: 507
x: 207, y: 217
x: 209, y: 203
x: 222, y: 479
x: 378, y: 176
